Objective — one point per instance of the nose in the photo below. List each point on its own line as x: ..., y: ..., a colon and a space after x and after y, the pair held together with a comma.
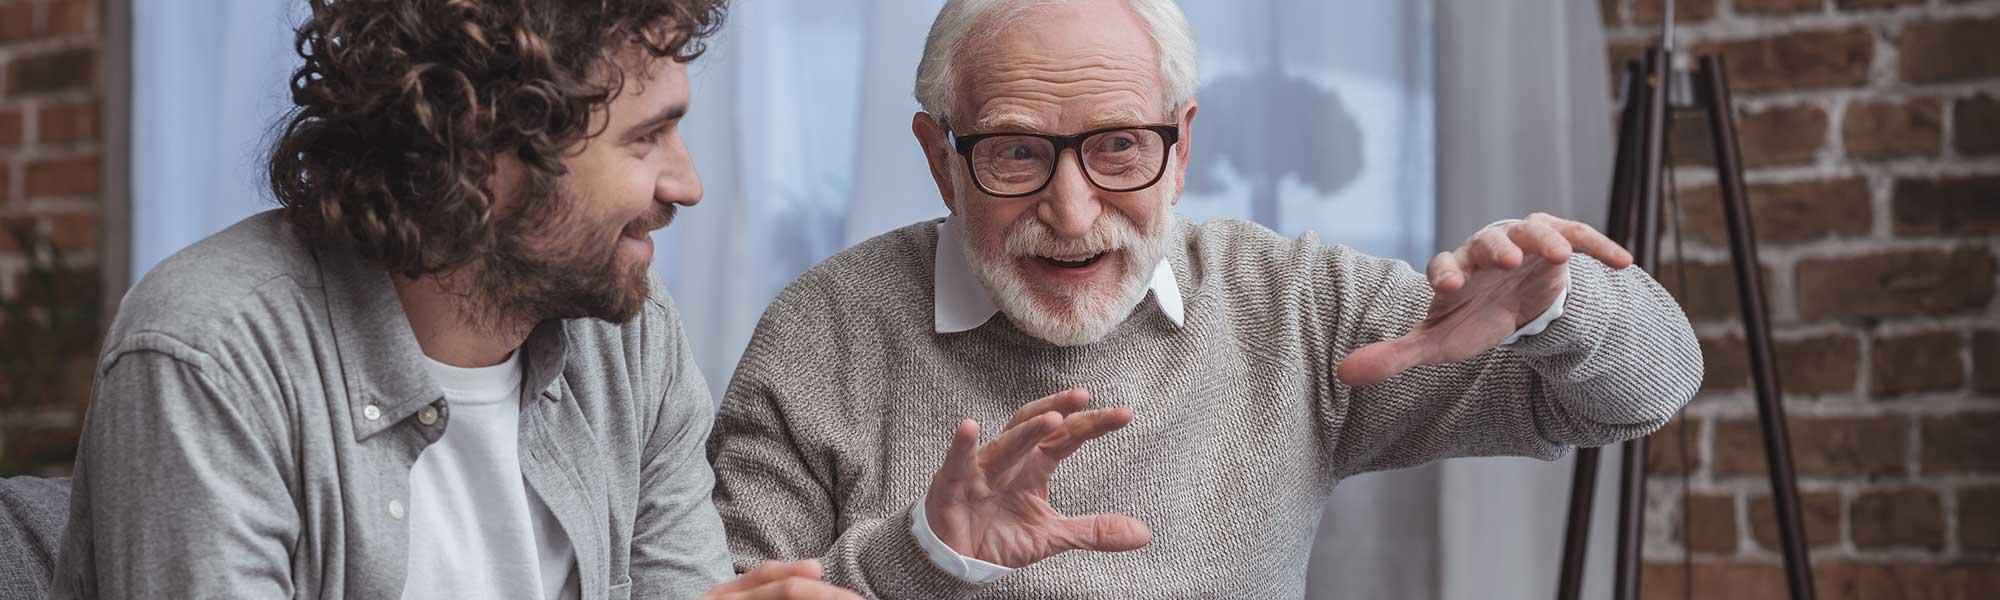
x: 678, y: 182
x: 1070, y: 205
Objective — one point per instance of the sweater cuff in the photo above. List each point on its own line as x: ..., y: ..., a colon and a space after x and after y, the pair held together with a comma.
x: 890, y: 563
x: 964, y: 567
x: 1578, y: 309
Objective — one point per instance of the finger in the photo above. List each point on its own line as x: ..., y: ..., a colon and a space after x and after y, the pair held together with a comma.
x: 1000, y: 455
x: 959, y: 465
x: 797, y: 589
x: 1104, y: 533
x: 1540, y: 240
x: 1083, y: 427
x: 1490, y: 249
x: 1446, y: 272
x: 771, y: 570
x: 1377, y: 362
x: 1062, y: 403
x: 1597, y: 245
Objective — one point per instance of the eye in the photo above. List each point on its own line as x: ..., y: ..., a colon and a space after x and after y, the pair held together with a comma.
x: 653, y: 137
x: 1120, y: 144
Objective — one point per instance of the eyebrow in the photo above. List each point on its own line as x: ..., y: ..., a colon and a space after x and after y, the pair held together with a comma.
x: 1008, y: 121
x: 670, y: 114
x: 1011, y: 121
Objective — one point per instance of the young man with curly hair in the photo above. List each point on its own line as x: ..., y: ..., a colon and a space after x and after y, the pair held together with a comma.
x: 440, y: 368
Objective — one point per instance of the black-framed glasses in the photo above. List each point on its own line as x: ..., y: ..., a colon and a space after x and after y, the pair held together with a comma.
x: 1115, y: 159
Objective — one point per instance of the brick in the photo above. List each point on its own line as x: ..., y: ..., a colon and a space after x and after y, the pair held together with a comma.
x: 1771, y: 7
x: 1905, y: 517
x: 1711, y: 523
x: 17, y: 21
x: 1897, y: 282
x: 1796, y: 61
x: 1718, y: 581
x: 1893, y: 129
x: 1783, y: 212
x: 62, y: 177
x: 1961, y: 205
x: 1651, y: 12
x: 73, y: 16
x: 1607, y: 10
x: 1986, y: 361
x: 1872, y: 4
x: 1916, y: 363
x: 13, y: 128
x: 74, y: 233
x: 1710, y: 290
x: 1663, y: 455
x: 1810, y: 366
x: 1949, y: 50
x: 74, y: 68
x: 1821, y: 446
x: 1979, y: 519
x: 1819, y: 516
x: 1976, y: 125
x: 75, y: 122
x: 1905, y: 580
x: 1784, y: 135
x: 1962, y: 443
x: 6, y: 186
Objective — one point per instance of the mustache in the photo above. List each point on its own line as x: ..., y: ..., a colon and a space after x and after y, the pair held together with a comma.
x: 1031, y: 237
x: 654, y: 220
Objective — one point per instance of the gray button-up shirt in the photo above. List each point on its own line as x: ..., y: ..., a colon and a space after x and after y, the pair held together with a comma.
x: 259, y: 403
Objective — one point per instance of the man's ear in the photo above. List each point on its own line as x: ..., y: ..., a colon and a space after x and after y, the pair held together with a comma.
x: 937, y: 152
x: 1184, y: 149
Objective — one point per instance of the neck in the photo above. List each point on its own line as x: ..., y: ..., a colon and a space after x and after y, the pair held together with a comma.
x: 453, y: 328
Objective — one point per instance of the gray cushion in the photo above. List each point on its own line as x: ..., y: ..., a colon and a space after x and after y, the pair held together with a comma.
x: 33, y: 512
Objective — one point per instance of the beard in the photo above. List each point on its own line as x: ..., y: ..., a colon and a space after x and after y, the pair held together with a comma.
x: 1067, y: 315
x: 551, y: 261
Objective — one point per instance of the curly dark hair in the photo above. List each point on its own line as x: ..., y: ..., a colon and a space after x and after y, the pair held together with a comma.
x: 404, y: 105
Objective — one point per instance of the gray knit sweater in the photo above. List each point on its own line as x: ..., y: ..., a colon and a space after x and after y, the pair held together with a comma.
x: 845, y: 401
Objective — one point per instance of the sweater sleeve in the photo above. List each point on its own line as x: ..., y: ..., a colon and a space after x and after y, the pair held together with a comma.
x: 774, y: 488
x: 1620, y: 362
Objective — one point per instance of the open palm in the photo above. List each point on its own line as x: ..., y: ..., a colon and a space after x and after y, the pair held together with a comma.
x: 1501, y: 279
x: 992, y: 502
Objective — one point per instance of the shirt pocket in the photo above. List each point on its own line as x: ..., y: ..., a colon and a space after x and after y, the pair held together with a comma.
x: 621, y: 590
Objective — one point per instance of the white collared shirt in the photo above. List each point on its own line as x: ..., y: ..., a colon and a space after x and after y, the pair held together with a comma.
x: 962, y: 304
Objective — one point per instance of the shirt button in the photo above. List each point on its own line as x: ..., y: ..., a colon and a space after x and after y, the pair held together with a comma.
x: 428, y: 415
x: 396, y: 509
x: 372, y: 412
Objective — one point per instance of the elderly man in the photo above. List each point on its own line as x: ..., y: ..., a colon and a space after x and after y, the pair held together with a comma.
x: 1199, y: 433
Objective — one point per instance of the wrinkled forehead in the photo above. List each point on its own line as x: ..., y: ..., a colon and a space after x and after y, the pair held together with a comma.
x: 1063, y: 68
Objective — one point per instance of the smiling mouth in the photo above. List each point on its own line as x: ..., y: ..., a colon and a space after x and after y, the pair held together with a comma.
x: 1072, y: 262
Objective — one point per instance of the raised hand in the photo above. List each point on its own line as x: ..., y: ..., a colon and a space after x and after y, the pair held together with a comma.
x: 1501, y: 279
x: 775, y: 580
x: 991, y: 502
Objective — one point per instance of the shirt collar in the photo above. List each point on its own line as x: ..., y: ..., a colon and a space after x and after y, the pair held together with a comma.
x: 378, y: 350
x: 962, y: 304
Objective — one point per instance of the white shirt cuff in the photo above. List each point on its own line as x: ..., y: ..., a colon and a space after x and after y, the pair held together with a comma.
x: 961, y: 566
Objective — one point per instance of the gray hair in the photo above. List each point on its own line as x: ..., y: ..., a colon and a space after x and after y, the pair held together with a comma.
x: 965, y: 23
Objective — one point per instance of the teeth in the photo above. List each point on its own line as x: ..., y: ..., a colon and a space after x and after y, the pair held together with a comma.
x: 1077, y: 258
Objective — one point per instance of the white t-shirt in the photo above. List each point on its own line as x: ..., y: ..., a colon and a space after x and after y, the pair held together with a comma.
x: 476, y: 529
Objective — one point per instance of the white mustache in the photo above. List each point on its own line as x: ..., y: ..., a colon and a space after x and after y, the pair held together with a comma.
x: 1031, y: 237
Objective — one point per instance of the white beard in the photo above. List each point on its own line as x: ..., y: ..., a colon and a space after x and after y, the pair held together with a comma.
x: 1068, y: 317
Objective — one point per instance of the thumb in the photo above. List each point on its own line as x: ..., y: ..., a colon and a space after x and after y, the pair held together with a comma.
x: 1377, y: 362
x: 1104, y: 533
x: 769, y: 571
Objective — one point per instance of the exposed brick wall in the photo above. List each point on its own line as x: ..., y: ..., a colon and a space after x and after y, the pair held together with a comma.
x: 50, y: 141
x: 1871, y: 136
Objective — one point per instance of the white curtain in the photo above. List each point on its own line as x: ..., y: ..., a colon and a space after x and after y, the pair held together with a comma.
x: 1393, y: 126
